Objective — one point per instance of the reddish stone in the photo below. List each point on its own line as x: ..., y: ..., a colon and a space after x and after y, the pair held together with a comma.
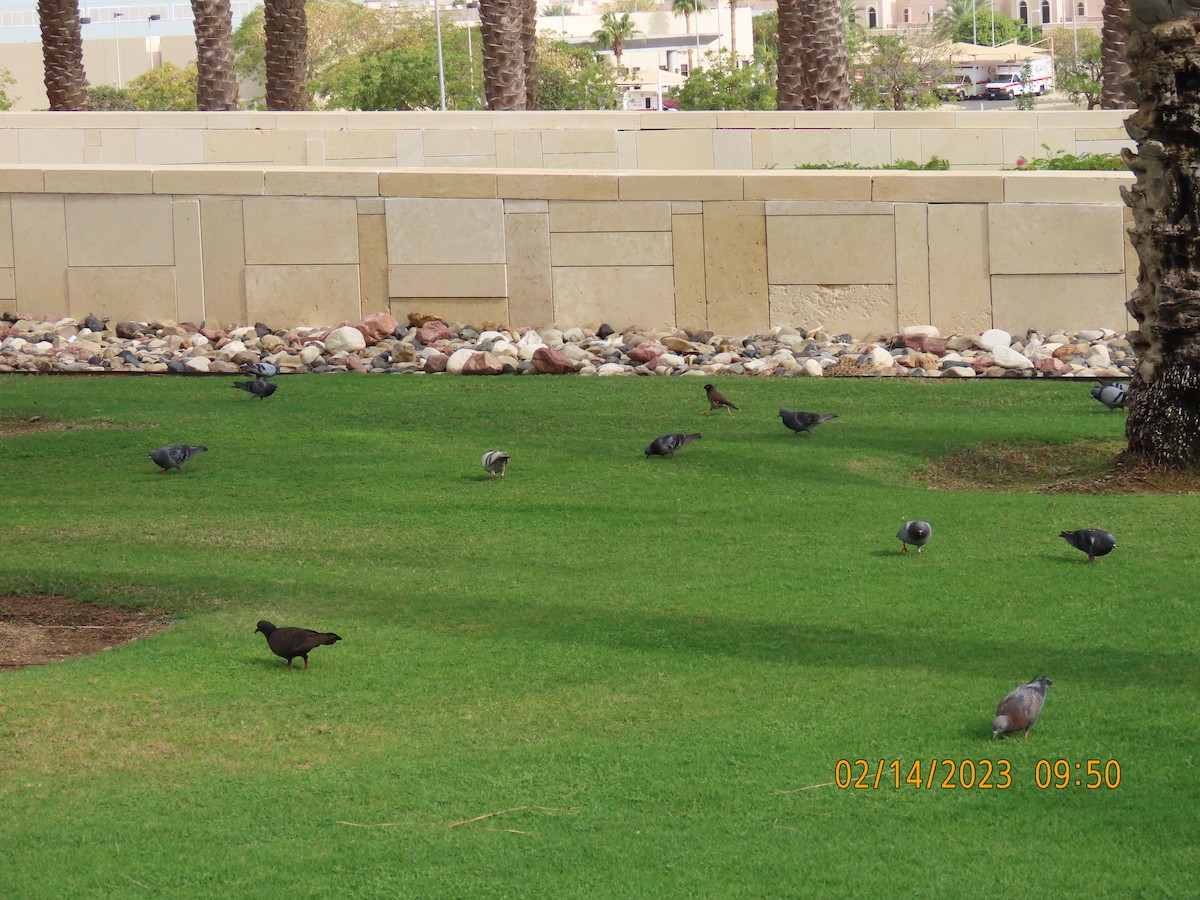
x: 923, y: 343
x: 654, y: 363
x: 437, y: 363
x: 646, y: 351
x: 354, y: 364
x: 551, y: 362
x: 483, y: 364
x: 1051, y: 366
x: 982, y: 363
x: 418, y: 319
x: 213, y: 334
x: 434, y: 331
x: 378, y: 326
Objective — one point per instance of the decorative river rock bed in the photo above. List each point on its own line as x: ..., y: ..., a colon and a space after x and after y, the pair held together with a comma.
x: 427, y: 345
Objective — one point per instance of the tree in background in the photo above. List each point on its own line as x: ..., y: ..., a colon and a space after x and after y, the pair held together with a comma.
x: 733, y: 5
x: 630, y: 6
x: 216, y: 82
x: 813, y: 65
x: 558, y: 9
x: 1114, y: 65
x: 685, y: 8
x: 6, y: 81
x: 167, y: 87
x: 902, y: 71
x: 575, y: 78
x: 722, y: 84
x: 1077, y: 74
x: 615, y: 30
x: 62, y: 53
x: 766, y: 35
x: 501, y: 25
x: 286, y: 29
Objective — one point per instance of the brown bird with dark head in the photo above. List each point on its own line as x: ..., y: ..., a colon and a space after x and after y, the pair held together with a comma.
x: 289, y: 643
x: 1021, y: 708
x: 716, y: 400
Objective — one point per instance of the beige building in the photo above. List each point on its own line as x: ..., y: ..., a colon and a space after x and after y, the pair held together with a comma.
x: 903, y: 14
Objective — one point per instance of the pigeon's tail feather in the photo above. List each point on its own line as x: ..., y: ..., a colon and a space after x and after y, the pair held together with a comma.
x: 688, y: 438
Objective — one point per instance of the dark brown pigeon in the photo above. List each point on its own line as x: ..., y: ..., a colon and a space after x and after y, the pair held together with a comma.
x: 1021, y: 708
x: 804, y: 421
x: 1092, y: 541
x: 716, y: 400
x: 289, y: 643
x: 667, y: 444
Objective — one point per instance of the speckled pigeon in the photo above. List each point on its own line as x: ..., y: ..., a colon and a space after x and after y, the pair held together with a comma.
x: 261, y: 370
x: 1092, y: 541
x: 1113, y: 396
x: 495, y: 462
x: 289, y: 643
x: 716, y: 400
x: 1021, y: 708
x: 804, y: 421
x: 914, y: 532
x: 260, y: 389
x: 174, y: 457
x: 667, y: 444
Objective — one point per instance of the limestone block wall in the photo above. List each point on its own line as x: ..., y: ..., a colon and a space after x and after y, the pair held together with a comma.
x: 735, y: 252
x: 579, y: 141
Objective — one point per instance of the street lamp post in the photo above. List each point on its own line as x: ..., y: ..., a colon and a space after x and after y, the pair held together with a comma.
x: 117, y: 41
x: 437, y: 18
x: 150, y: 20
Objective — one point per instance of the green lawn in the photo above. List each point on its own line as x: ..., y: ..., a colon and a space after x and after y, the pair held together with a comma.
x: 654, y: 656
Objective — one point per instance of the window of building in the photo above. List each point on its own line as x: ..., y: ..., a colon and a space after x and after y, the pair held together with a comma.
x: 1023, y: 12
x: 1081, y: 10
x: 873, y: 19
x: 1045, y: 11
x: 907, y: 14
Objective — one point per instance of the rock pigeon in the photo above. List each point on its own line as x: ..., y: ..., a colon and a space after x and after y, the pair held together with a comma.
x: 260, y: 389
x: 261, y: 370
x: 174, y: 457
x: 716, y: 400
x: 93, y: 324
x: 289, y: 643
x: 1114, y: 396
x: 667, y: 444
x: 804, y: 421
x: 1021, y: 708
x: 1092, y: 541
x: 914, y: 532
x: 495, y: 462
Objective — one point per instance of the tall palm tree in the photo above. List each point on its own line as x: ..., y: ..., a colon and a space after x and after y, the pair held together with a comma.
x: 685, y: 8
x: 216, y: 82
x: 614, y: 31
x: 814, y: 71
x: 501, y: 26
x: 1113, y: 66
x: 1163, y: 428
x: 286, y: 30
x: 733, y: 5
x: 62, y: 53
x: 529, y: 17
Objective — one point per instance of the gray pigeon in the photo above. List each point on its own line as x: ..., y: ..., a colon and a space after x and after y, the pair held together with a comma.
x: 495, y: 462
x: 667, y: 444
x: 260, y: 389
x: 914, y: 532
x: 1113, y: 396
x: 261, y: 370
x: 1092, y: 541
x: 93, y: 324
x: 804, y: 421
x: 1021, y: 708
x: 174, y: 457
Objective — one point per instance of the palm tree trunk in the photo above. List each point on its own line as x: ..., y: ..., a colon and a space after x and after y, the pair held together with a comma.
x: 1163, y: 428
x: 287, y: 51
x: 1114, y: 68
x: 529, y: 16
x: 814, y: 71
x: 62, y: 53
x: 733, y: 5
x: 216, y: 81
x: 500, y: 23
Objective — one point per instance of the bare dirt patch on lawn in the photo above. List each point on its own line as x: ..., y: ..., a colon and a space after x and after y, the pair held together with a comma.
x: 1082, y: 467
x: 40, y: 628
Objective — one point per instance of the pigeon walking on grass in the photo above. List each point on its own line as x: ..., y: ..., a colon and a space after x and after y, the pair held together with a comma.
x: 288, y: 643
x: 716, y: 400
x: 1092, y: 541
x: 914, y: 532
x: 667, y: 444
x: 1021, y: 708
x: 495, y: 462
x: 1114, y: 396
x: 260, y: 389
x: 804, y: 421
x: 173, y: 457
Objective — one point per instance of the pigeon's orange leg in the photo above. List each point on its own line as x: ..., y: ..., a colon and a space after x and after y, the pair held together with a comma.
x: 904, y: 549
x: 306, y: 667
